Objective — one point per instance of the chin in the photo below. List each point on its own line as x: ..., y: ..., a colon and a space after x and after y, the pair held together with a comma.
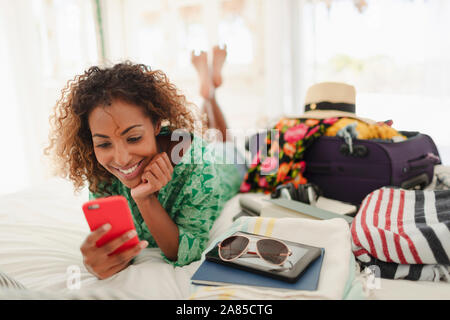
x: 131, y: 184
x: 128, y: 183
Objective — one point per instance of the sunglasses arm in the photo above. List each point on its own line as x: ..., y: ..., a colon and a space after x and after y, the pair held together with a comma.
x: 250, y: 254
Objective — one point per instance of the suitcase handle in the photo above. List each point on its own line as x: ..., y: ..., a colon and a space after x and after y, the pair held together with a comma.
x: 358, y: 150
x: 421, y: 162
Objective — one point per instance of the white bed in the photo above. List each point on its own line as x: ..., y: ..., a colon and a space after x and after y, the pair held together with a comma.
x: 41, y: 230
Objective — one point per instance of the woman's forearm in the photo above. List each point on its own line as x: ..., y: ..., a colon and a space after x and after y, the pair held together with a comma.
x: 161, y: 226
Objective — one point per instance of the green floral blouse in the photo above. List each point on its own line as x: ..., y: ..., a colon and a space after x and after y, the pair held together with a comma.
x: 201, y: 184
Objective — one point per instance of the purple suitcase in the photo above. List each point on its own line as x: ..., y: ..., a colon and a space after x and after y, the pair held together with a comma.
x: 372, y: 165
x: 349, y: 177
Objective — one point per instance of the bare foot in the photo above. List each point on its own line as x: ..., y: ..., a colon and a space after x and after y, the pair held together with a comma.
x: 219, y: 56
x: 200, y: 63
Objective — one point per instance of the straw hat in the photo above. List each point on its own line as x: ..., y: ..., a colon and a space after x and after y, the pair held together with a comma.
x: 331, y: 99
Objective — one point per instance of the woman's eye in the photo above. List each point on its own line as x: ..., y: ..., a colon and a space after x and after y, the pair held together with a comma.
x: 104, y: 145
x: 134, y: 139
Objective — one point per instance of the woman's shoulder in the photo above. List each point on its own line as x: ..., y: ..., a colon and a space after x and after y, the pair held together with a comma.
x: 207, y: 166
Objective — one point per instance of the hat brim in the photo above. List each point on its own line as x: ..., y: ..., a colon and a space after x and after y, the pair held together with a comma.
x: 324, y: 114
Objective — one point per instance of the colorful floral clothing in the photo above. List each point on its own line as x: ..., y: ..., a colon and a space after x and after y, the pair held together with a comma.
x: 364, y: 130
x: 283, y: 162
x: 201, y: 184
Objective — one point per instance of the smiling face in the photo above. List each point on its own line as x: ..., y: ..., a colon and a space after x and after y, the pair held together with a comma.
x: 124, y: 140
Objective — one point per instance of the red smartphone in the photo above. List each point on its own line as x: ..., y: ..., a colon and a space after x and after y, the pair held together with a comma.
x: 115, y: 211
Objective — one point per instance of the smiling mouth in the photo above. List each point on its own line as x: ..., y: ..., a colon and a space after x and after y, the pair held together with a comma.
x: 130, y: 171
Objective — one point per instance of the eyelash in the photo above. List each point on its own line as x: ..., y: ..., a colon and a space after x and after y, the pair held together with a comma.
x: 134, y: 139
x: 107, y: 144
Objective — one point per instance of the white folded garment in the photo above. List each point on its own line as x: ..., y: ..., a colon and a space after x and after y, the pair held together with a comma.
x: 338, y: 269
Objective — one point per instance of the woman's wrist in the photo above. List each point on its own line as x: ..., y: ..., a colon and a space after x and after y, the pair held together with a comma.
x: 160, y: 224
x: 146, y: 200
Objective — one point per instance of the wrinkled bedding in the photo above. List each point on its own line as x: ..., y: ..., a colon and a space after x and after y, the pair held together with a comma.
x: 42, y: 228
x: 41, y: 231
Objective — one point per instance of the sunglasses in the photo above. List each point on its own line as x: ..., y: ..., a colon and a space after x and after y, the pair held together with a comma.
x: 270, y: 250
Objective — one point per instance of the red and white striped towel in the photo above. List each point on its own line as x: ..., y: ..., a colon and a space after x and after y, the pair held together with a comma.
x: 405, y: 227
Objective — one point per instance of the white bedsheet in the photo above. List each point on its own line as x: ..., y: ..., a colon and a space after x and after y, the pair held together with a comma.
x: 41, y: 230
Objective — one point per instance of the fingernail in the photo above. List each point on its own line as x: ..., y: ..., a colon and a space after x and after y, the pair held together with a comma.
x: 131, y: 234
x: 106, y: 227
x: 143, y: 244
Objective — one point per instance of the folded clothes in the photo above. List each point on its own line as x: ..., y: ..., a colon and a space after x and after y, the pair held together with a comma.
x: 406, y: 233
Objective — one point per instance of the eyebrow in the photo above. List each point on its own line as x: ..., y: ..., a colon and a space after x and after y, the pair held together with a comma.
x: 123, y: 132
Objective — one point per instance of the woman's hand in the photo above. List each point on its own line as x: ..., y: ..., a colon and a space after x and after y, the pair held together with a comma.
x: 156, y: 175
x: 98, y: 261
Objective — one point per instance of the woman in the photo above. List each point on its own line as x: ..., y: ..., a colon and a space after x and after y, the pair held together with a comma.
x: 112, y: 128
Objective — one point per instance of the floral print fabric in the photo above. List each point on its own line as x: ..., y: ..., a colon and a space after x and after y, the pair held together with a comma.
x: 283, y: 162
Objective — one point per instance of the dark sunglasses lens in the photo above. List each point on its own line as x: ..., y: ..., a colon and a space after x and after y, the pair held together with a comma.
x: 233, y: 246
x: 272, y: 251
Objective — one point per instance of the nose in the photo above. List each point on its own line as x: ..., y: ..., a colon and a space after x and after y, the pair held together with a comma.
x: 121, y: 157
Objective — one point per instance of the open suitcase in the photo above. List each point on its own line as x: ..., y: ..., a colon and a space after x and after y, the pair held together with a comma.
x: 349, y: 176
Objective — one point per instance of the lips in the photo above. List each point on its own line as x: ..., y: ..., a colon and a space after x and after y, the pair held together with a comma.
x: 130, y: 172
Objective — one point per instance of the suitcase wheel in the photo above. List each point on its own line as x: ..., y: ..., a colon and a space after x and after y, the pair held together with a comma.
x: 419, y: 182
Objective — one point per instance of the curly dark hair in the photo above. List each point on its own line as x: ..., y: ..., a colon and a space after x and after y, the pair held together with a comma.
x: 70, y: 138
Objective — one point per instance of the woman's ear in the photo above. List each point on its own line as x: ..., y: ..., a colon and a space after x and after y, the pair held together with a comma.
x: 157, y: 128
